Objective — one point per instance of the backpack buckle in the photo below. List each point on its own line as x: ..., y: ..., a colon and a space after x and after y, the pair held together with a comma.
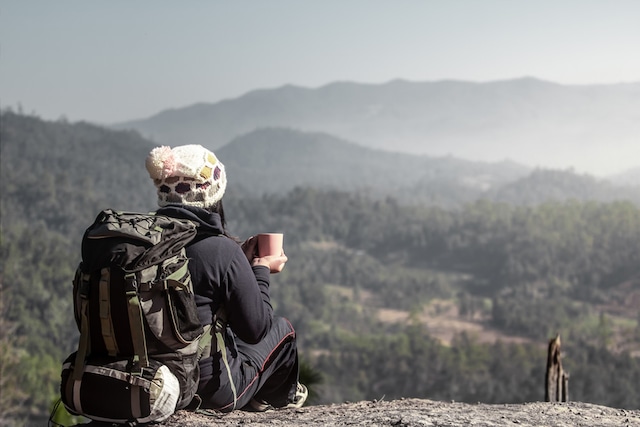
x: 85, y: 286
x: 131, y: 284
x: 134, y: 368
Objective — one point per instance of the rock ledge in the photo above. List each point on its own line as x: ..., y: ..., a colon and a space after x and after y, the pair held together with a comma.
x: 421, y: 412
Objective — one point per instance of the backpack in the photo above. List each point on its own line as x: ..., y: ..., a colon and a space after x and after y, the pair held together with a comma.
x: 137, y: 357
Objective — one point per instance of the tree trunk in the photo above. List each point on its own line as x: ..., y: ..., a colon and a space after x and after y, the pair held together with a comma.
x: 556, y: 381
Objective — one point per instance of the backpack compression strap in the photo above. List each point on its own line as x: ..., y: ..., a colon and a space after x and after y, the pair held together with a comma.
x: 106, y: 321
x: 83, y: 345
x: 134, y: 309
x: 204, y: 345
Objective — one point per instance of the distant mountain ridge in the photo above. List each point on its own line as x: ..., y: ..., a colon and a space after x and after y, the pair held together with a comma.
x: 592, y: 128
x: 277, y: 160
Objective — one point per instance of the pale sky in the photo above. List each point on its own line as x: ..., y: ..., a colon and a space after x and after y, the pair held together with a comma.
x: 107, y: 61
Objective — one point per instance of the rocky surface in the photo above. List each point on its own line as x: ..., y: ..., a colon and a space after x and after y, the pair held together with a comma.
x: 420, y: 412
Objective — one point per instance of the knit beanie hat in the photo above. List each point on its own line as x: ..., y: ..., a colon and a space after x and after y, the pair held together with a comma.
x: 189, y: 175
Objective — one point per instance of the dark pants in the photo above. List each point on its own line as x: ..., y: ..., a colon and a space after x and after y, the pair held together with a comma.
x: 267, y: 371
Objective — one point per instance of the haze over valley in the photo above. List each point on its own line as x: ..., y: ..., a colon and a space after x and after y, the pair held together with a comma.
x: 591, y: 129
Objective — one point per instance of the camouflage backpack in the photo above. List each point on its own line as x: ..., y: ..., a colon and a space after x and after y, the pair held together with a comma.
x: 137, y: 357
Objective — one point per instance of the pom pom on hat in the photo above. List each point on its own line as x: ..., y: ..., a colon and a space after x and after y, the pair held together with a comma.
x: 188, y: 174
x: 160, y: 162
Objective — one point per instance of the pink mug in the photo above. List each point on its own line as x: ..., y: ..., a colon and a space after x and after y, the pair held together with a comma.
x: 270, y: 244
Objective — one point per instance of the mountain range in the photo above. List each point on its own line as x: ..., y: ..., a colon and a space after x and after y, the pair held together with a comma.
x: 591, y: 128
x: 276, y: 160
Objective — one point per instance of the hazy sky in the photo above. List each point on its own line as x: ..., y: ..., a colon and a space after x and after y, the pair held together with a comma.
x: 114, y: 60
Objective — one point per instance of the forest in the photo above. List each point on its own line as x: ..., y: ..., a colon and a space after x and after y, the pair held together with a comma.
x: 368, y: 284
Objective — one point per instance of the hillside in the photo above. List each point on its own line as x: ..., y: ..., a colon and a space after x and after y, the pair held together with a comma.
x: 62, y: 173
x: 388, y: 298
x: 277, y: 160
x: 547, y: 185
x: 534, y: 122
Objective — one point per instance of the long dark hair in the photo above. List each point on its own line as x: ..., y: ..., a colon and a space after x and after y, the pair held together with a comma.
x: 218, y: 208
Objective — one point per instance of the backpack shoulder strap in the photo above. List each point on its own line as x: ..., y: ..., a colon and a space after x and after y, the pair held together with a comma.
x: 219, y: 325
x: 204, y: 346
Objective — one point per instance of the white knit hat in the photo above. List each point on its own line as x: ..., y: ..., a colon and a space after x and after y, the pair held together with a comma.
x: 189, y: 175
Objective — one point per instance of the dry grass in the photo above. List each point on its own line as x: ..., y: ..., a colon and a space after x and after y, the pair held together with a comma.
x: 444, y: 322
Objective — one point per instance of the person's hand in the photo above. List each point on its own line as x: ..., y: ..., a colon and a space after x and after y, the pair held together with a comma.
x: 275, y: 263
x: 250, y: 248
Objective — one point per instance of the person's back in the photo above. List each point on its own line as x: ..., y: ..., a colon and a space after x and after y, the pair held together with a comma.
x: 258, y: 368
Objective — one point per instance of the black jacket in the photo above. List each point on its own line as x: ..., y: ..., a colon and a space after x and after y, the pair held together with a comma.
x: 221, y: 274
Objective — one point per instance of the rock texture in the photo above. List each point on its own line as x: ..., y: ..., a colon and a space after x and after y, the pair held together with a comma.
x: 420, y: 412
